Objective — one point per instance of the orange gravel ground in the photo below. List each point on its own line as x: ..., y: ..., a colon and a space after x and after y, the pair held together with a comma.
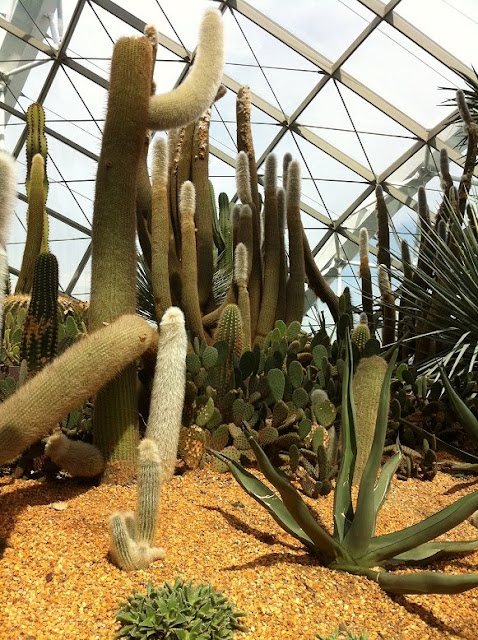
x: 56, y: 580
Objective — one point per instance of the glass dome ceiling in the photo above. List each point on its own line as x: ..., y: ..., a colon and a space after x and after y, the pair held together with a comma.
x: 350, y: 87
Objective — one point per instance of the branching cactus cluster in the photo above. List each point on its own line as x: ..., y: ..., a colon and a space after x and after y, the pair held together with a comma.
x: 244, y: 243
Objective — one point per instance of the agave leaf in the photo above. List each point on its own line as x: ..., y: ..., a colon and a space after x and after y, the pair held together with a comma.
x: 426, y: 582
x: 323, y: 542
x: 343, y: 508
x: 363, y: 526
x: 264, y: 496
x: 393, y: 544
x: 467, y: 418
x: 383, y: 484
x: 425, y: 553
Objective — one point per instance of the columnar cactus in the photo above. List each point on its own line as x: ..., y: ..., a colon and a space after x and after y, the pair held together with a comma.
x: 241, y: 269
x: 7, y: 199
x: 79, y: 459
x: 35, y: 224
x: 388, y: 305
x: 271, y: 243
x: 190, y: 291
x: 295, y: 284
x: 160, y: 229
x: 131, y: 111
x: 229, y: 329
x: 39, y: 339
x: 383, y: 240
x: 365, y: 275
x: 168, y: 390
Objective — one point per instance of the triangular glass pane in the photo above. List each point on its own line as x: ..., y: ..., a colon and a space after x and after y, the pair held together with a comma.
x: 399, y: 85
x: 169, y: 18
x: 72, y: 107
x: 222, y: 176
x: 17, y: 236
x: 270, y: 68
x: 69, y: 254
x: 328, y: 27
x: 460, y: 17
x: 82, y: 288
x: 12, y: 129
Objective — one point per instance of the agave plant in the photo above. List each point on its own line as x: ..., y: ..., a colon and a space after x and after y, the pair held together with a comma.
x: 467, y: 419
x: 441, y: 296
x: 353, y: 545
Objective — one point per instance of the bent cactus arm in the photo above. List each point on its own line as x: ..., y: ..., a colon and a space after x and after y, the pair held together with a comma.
x: 188, y: 102
x: 68, y: 381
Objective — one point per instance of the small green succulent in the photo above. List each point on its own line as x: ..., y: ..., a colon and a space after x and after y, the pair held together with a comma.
x: 179, y: 612
x: 343, y: 635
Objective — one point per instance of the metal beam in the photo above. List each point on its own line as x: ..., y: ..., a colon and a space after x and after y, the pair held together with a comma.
x: 59, y: 216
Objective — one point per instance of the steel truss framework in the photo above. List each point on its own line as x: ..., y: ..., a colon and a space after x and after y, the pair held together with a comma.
x: 327, y: 256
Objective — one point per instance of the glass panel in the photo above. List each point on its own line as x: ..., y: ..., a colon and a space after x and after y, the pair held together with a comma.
x: 452, y: 24
x: 12, y: 130
x: 269, y: 67
x: 329, y: 27
x: 69, y: 253
x: 411, y: 78
x: 327, y: 185
x: 222, y: 176
x: 377, y: 139
x: 83, y: 286
x: 18, y: 234
x: 75, y: 107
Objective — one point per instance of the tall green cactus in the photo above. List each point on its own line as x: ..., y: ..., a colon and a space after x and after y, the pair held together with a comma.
x: 39, y: 338
x: 229, y: 329
x: 365, y: 275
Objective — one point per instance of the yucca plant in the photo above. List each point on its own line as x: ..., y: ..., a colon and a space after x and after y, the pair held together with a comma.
x: 353, y: 545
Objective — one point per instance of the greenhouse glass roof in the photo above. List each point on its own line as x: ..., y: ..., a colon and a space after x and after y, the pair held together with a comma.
x: 350, y: 87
